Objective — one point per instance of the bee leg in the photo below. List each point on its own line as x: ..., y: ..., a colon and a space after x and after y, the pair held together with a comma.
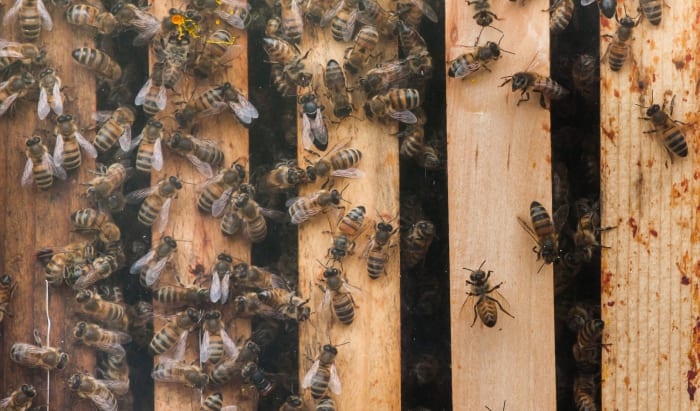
x: 500, y: 306
x: 542, y: 101
x: 475, y: 315
x: 524, y: 96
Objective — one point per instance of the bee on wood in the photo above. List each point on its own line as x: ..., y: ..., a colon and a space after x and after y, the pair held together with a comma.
x: 174, y: 56
x: 69, y: 141
x: 104, y: 340
x: 357, y: 55
x: 529, y: 80
x: 202, y: 153
x: 338, y: 294
x: 7, y: 290
x: 253, y: 217
x: 179, y: 296
x: 416, y: 243
x: 38, y: 355
x: 620, y: 48
x: 87, y: 15
x: 255, y: 375
x: 377, y: 252
x: 292, y: 403
x: 469, y: 63
x: 285, y: 176
x: 99, y: 62
x: 108, y: 313
x: 26, y: 54
x: 301, y: 209
x: 105, y: 189
x: 371, y: 13
x: 396, y: 103
x: 62, y: 259
x: 221, y: 278
x: 215, y: 402
x: 214, y: 101
x: 97, y: 391
x: 150, y: 151
x: 291, y: 19
x: 314, y: 130
x: 116, y: 127
x: 411, y: 12
x: 322, y: 377
x: 560, y: 17
x: 256, y: 278
x: 15, y: 86
x: 50, y: 96
x: 40, y: 166
x: 143, y: 22
x: 32, y: 17
x: 546, y: 231
x: 339, y: 96
x: 231, y: 367
x: 483, y: 16
x: 652, y: 10
x: 390, y: 75
x: 286, y: 302
x: 667, y: 128
x: 215, y: 340
x: 216, y: 52
x: 179, y: 372
x: 346, y: 231
x: 153, y: 94
x: 156, y: 202
x: 89, y: 219
x: 485, y: 299
x: 174, y: 333
x: 339, y: 161
x: 214, y: 196
x: 20, y: 399
x: 152, y: 264
x: 586, y: 350
x: 342, y: 18
x: 100, y: 268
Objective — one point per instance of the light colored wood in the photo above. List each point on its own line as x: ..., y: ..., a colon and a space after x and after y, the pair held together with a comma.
x: 649, y: 275
x: 499, y: 162
x: 198, y: 236
x: 36, y: 219
x: 370, y: 364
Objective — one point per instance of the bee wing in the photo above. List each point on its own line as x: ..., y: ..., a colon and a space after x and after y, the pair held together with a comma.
x: 146, y: 25
x: 157, y: 159
x: 325, y: 303
x: 232, y: 19
x: 349, y: 28
x: 181, y: 346
x: 219, y: 205
x: 204, y: 168
x: 58, y: 151
x: 585, y: 3
x: 45, y: 16
x: 154, y: 271
x: 229, y: 408
x: 57, y: 103
x: 307, y: 136
x: 118, y: 387
x: 100, y: 117
x: 162, y: 220
x: 351, y: 288
x: 7, y: 102
x: 215, y: 288
x: 86, y: 145
x: 244, y: 110
x: 501, y: 299
x: 141, y: 95
x: 142, y: 262
x: 328, y: 16
x: 405, y: 116
x: 204, y: 348
x: 560, y: 216
x: 469, y: 301
x: 162, y: 98
x: 43, y: 107
x: 7, y: 52
x: 306, y: 382
x: 225, y: 283
x: 114, y: 349
x: 334, y: 382
x: 56, y: 170
x: 348, y: 173
x: 467, y: 69
x: 302, y: 215
x: 319, y: 130
x: 125, y: 138
x: 229, y: 346
x: 5, y: 402
x: 430, y: 14
x: 274, y: 215
x: 528, y: 229
x: 103, y: 403
x: 137, y: 196
x: 28, y: 174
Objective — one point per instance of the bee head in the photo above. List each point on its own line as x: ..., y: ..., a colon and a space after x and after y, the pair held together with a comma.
x: 241, y: 200
x: 6, y: 280
x: 28, y: 390
x: 46, y: 72
x: 79, y: 330
x: 64, y: 118
x: 328, y: 348
x: 331, y: 272
x: 212, y: 315
x: 294, y: 401
x: 386, y: 227
x: 155, y: 123
x: 224, y: 257
x: 74, y: 381
x: 195, y: 315
x: 62, y: 361
x: 653, y: 109
x: 83, y: 296
x: 33, y: 141
x: 170, y: 241
x: 175, y: 182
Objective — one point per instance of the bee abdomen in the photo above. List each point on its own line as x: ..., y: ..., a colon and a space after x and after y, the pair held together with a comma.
x: 43, y: 178
x: 561, y: 16
x: 149, y: 211
x: 162, y: 341
x: 488, y: 312
x: 376, y: 260
x: 541, y: 220
x: 319, y: 382
x: 652, y: 11
x: 257, y: 229
x: 344, y: 309
x: 618, y: 55
x: 675, y: 141
x: 346, y: 158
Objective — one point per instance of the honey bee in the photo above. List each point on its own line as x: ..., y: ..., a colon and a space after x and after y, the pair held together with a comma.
x: 235, y: 13
x: 585, y: 392
x: 219, y: 289
x: 348, y: 228
x: 215, y: 340
x: 357, y: 55
x: 285, y: 176
x: 395, y: 103
x: 485, y: 299
x: 173, y: 56
x: 61, y: 260
x: 469, y: 63
x: 153, y: 95
x: 107, y: 183
x: 337, y: 162
x: 156, y: 202
x: 256, y: 278
x: 178, y: 296
x: 561, y: 13
x: 145, y: 24
x: 667, y: 128
x: 180, y: 373
x: 7, y: 290
x: 89, y: 219
x: 231, y: 367
x: 32, y: 16
x: 38, y: 355
x: 339, y: 96
x: 323, y: 375
x: 97, y: 391
x: 314, y: 130
x: 325, y: 404
x: 620, y: 48
x: 584, y: 74
x: 529, y: 80
x: 16, y: 86
x: 342, y: 18
x: 302, y: 209
x: 652, y: 10
x: 413, y: 141
x: 253, y: 217
x: 150, y: 152
x: 393, y: 74
x: 212, y: 200
x: 217, y: 49
x: 152, y: 264
x: 108, y: 313
x: 87, y: 15
x: 411, y: 12
x: 112, y: 368
x: 586, y: 350
x: 69, y: 140
x: 203, y: 154
x: 100, y: 268
x: 288, y: 60
x: 104, y: 340
x: 231, y: 223
x: 20, y: 399
x: 215, y: 402
x: 253, y: 373
x: 248, y: 305
x: 545, y: 231
x: 174, y: 333
x: 586, y: 236
x: 291, y: 19
x: 315, y: 10
x: 338, y: 294
x: 373, y: 14
x: 213, y: 101
x: 416, y: 243
x: 116, y: 127
x: 286, y: 303
x: 40, y: 166
x: 292, y: 403
x: 377, y: 251
x: 99, y: 62
x: 141, y: 329
x: 483, y: 16
x: 26, y: 54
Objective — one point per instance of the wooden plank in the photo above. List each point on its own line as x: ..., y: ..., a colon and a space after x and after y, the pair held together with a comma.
x: 498, y: 163
x: 370, y: 364
x: 35, y: 219
x: 199, y: 237
x: 650, y: 274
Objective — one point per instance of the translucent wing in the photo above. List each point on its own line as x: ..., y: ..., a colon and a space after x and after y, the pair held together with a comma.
x: 5, y: 105
x: 334, y: 382
x: 204, y: 351
x: 56, y: 170
x: 202, y: 167
x: 157, y: 160
x: 142, y: 262
x: 5, y: 402
x: 528, y: 229
x: 466, y: 69
x: 351, y: 288
x: 274, y: 215
x: 162, y: 220
x: 103, y: 403
x: 181, y: 346
x: 229, y: 346
x: 349, y: 28
x: 118, y: 387
x: 45, y: 16
x: 28, y: 174
x: 326, y: 300
x: 58, y: 151
x: 43, y: 107
x: 86, y: 145
x: 137, y: 196
x: 225, y: 283
x: 141, y: 95
x: 57, y: 98
x: 585, y: 3
x: 245, y: 111
x: 125, y: 138
x: 219, y: 205
x: 307, y: 136
x: 406, y: 116
x: 319, y: 130
x: 560, y: 216
x: 8, y: 52
x: 428, y: 11
x: 348, y: 173
x: 11, y: 13
x: 161, y: 98
x: 215, y: 288
x: 500, y: 298
x: 328, y: 16
x: 154, y: 271
x: 306, y: 382
x: 230, y: 408
x: 146, y: 25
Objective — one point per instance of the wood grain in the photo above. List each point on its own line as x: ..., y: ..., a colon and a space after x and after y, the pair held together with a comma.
x: 498, y: 163
x: 198, y: 236
x: 370, y: 364
x: 36, y: 219
x: 650, y: 274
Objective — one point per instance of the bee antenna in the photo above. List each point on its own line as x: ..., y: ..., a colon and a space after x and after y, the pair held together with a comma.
x: 482, y: 264
x: 505, y: 51
x: 346, y: 342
